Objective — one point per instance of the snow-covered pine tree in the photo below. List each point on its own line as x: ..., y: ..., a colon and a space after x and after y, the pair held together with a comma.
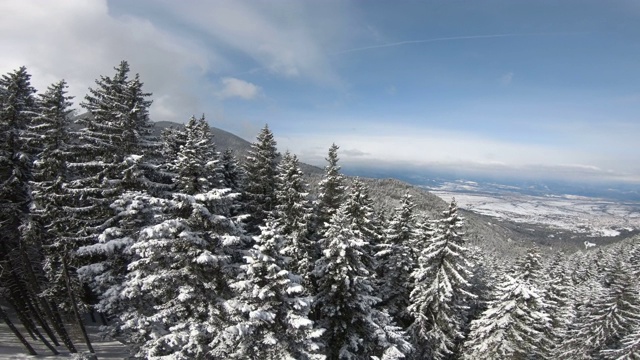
x: 345, y: 301
x: 441, y: 290
x: 172, y: 139
x: 195, y: 166
x: 484, y: 274
x: 17, y: 110
x: 184, y: 258
x: 629, y: 348
x: 260, y: 169
x: 611, y: 314
x: 557, y: 284
x: 513, y: 325
x: 360, y: 209
x: 51, y: 200
x: 112, y: 159
x: 231, y: 172
x: 50, y: 178
x: 20, y: 247
x: 396, y: 262
x: 293, y: 216
x: 332, y: 190
x: 274, y: 314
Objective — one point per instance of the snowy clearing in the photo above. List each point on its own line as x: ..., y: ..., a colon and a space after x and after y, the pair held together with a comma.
x: 591, y: 216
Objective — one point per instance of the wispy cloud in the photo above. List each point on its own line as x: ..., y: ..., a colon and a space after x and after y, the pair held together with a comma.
x: 450, y: 38
x: 506, y: 79
x: 233, y: 87
x: 285, y: 38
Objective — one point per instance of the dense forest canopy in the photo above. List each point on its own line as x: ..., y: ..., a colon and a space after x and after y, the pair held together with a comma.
x: 191, y: 253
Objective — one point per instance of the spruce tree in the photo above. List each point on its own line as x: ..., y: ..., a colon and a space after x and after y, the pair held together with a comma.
x: 21, y: 246
x: 396, y: 262
x: 274, y: 320
x: 346, y: 301
x: 232, y: 176
x: 513, y: 325
x: 611, y: 314
x: 558, y: 289
x: 196, y: 164
x: 17, y: 110
x: 293, y: 216
x: 629, y: 348
x: 178, y: 281
x: 260, y: 168
x: 51, y: 175
x: 441, y: 293
x: 332, y: 190
x: 113, y: 158
x: 51, y: 203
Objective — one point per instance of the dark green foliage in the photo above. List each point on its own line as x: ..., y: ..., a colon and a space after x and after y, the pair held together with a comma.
x: 261, y: 171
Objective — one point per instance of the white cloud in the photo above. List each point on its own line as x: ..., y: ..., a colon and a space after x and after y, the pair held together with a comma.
x: 458, y: 151
x: 288, y: 38
x: 506, y: 79
x: 180, y: 50
x: 80, y: 40
x: 353, y: 152
x: 232, y: 87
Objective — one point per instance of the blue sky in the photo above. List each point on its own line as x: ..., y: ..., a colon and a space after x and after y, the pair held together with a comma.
x: 513, y: 88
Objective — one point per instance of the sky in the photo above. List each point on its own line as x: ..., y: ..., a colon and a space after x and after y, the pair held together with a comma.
x: 506, y: 88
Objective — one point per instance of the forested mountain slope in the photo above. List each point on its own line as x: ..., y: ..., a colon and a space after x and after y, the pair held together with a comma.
x: 504, y: 239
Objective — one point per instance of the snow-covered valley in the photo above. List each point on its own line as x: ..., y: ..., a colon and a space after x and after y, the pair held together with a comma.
x: 587, y: 216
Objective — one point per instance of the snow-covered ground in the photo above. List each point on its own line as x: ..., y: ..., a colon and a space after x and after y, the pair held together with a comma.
x: 591, y: 216
x: 11, y: 348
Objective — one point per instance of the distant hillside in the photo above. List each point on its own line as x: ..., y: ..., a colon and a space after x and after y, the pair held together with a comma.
x: 223, y: 139
x: 226, y: 140
x: 503, y: 238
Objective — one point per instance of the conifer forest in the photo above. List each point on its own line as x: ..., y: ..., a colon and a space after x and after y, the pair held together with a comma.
x: 188, y: 251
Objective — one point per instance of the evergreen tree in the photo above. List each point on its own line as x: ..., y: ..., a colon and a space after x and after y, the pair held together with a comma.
x: 112, y: 160
x: 196, y: 162
x: 293, y: 216
x: 274, y: 322
x: 332, y: 190
x: 17, y: 110
x: 359, y: 208
x: 558, y: 298
x: 396, y: 261
x: 345, y: 298
x: 51, y: 200
x: 51, y: 175
x: 438, y: 302
x: 184, y: 258
x: 611, y: 314
x: 513, y: 325
x: 20, y: 244
x: 232, y: 176
x: 260, y: 168
x: 629, y: 348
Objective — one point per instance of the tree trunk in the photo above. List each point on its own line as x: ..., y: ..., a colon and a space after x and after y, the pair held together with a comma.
x: 58, y: 324
x: 35, y: 333
x: 103, y: 319
x: 23, y: 318
x: 35, y: 289
x: 15, y: 331
x: 72, y: 298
